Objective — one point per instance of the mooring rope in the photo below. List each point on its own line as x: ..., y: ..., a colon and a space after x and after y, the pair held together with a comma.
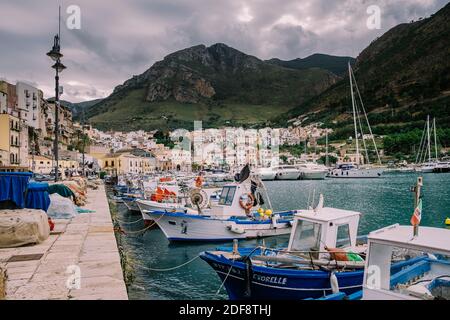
x: 225, y: 280
x: 142, y: 230
x: 169, y: 269
x: 128, y: 222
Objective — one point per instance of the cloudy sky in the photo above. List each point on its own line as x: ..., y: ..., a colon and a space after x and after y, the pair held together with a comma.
x: 118, y: 38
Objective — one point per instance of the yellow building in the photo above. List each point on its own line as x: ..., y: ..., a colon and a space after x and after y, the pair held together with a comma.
x: 42, y: 164
x: 125, y: 163
x: 10, y: 129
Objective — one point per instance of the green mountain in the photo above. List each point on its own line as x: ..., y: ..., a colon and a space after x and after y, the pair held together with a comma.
x: 77, y: 107
x: 218, y: 85
x: 336, y: 65
x: 403, y: 76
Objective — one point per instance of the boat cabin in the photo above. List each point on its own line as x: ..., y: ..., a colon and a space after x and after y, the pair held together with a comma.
x: 427, y: 273
x: 230, y: 200
x: 313, y: 230
x: 347, y: 166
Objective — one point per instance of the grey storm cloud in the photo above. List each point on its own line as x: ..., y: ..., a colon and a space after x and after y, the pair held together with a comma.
x: 119, y: 39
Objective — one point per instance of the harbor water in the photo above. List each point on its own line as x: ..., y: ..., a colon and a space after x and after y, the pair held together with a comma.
x: 382, y: 202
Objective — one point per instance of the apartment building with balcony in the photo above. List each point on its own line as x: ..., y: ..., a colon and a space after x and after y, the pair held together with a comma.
x: 28, y: 103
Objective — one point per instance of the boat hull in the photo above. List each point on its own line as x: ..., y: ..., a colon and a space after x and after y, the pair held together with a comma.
x: 186, y: 227
x: 313, y: 175
x: 244, y: 282
x: 276, y: 284
x: 157, y: 206
x: 287, y: 175
x: 269, y: 176
x: 356, y: 174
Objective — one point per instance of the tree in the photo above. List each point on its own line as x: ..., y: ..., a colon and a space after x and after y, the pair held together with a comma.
x: 331, y: 159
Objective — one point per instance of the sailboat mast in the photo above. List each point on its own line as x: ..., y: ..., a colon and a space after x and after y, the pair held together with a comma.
x: 435, y: 139
x: 429, y: 139
x: 326, y: 148
x: 354, y: 112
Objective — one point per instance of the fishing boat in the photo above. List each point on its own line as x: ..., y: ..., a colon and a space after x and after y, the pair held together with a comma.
x: 426, y: 279
x: 239, y: 214
x: 358, y: 170
x: 323, y: 257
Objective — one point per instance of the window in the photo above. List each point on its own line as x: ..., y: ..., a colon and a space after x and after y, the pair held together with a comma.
x: 226, y: 198
x: 343, y: 236
x: 307, y: 236
x: 106, y: 163
x: 112, y: 163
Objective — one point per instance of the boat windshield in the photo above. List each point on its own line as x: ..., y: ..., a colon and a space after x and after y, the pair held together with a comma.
x: 307, y: 236
x: 227, y: 195
x: 343, y: 236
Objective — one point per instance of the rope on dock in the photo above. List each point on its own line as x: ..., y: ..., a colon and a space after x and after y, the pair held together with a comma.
x: 139, y: 231
x: 168, y: 269
x: 128, y: 222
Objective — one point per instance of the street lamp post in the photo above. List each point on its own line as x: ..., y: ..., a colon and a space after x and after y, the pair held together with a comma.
x: 55, y: 55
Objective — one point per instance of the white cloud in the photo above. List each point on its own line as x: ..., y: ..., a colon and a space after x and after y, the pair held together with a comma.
x: 119, y: 39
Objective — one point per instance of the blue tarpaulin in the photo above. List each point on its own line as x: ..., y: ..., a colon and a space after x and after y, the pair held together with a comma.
x: 13, y: 186
x: 37, y: 196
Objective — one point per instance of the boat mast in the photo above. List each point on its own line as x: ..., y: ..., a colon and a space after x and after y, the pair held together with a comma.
x: 429, y: 139
x: 354, y: 112
x: 326, y: 148
x: 435, y: 139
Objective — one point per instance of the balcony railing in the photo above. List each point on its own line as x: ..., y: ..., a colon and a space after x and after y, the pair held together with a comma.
x: 15, y: 127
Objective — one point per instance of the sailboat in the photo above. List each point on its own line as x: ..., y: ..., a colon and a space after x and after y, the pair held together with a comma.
x: 356, y: 170
x: 430, y: 165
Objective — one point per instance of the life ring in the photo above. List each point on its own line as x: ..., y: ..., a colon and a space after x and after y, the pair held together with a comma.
x: 248, y: 204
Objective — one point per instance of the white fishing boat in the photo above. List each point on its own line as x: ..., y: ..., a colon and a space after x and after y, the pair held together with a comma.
x: 266, y: 174
x: 427, y: 279
x: 357, y: 170
x: 239, y: 214
x: 312, y: 171
x: 287, y: 172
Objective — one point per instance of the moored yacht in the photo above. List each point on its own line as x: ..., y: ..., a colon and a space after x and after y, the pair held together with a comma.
x: 287, y: 172
x: 356, y: 170
x: 350, y: 170
x: 312, y: 171
x: 265, y: 174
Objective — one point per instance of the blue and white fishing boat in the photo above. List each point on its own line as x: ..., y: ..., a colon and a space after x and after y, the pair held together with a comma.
x: 239, y: 214
x: 426, y: 279
x: 315, y: 263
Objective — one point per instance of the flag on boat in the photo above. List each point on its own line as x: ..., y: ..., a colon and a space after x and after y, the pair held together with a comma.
x: 417, y: 215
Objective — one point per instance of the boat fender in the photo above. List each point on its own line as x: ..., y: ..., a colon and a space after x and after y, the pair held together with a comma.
x: 334, y: 282
x: 248, y: 277
x: 274, y: 221
x: 447, y: 222
x: 236, y: 229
